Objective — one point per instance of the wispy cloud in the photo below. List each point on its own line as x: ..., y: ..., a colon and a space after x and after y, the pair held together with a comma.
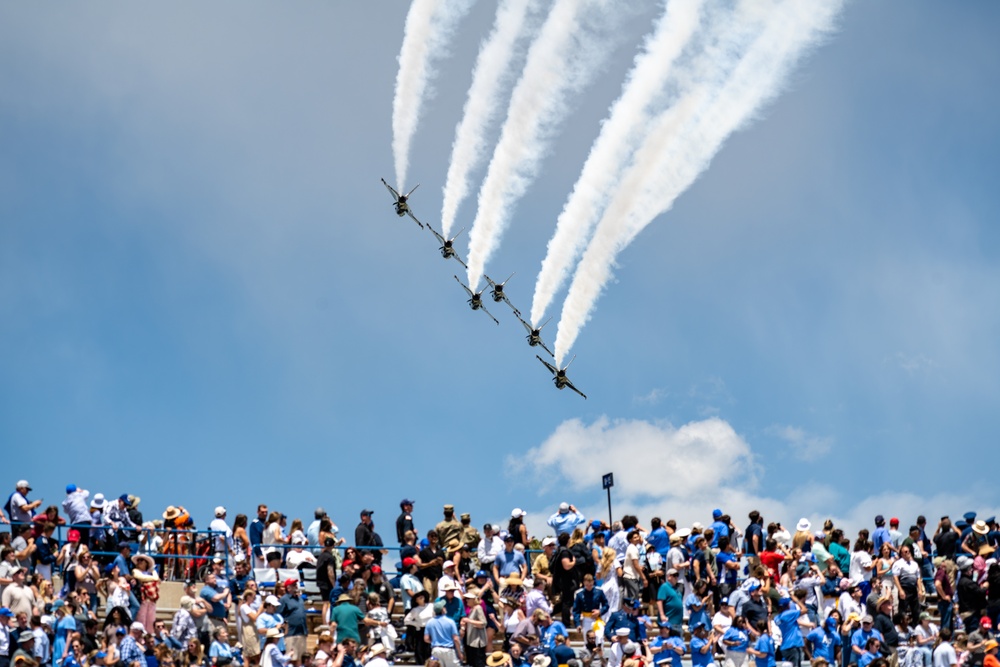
x: 803, y: 445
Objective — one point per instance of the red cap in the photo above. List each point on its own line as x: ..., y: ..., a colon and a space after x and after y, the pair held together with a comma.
x: 347, y: 562
x: 409, y: 562
x: 376, y: 569
x: 291, y: 582
x: 893, y: 521
x: 73, y: 535
x: 985, y: 622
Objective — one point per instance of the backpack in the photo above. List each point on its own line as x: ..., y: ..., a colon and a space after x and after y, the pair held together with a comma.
x: 585, y: 563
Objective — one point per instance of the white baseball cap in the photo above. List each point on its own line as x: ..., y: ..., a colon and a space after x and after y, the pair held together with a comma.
x: 270, y: 599
x: 220, y: 511
x: 517, y: 512
x: 23, y: 484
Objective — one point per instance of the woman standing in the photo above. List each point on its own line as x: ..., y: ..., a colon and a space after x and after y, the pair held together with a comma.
x: 241, y: 540
x: 474, y: 625
x: 884, y: 577
x: 607, y: 575
x: 64, y: 626
x: 149, y: 582
x: 249, y: 610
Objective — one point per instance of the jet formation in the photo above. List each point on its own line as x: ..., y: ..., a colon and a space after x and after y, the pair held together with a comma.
x: 497, y: 292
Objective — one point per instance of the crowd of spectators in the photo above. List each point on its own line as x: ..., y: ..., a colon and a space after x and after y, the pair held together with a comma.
x: 80, y: 583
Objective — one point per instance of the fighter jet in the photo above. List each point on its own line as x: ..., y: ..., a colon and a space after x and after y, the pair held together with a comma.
x: 476, y: 300
x: 535, y: 335
x: 402, y: 208
x: 447, y: 245
x: 499, y: 296
x: 559, y: 375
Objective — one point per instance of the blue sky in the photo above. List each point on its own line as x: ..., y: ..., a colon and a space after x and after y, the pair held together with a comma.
x: 205, y: 296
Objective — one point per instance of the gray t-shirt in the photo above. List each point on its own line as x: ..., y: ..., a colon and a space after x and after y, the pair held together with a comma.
x: 19, y: 544
x: 944, y: 655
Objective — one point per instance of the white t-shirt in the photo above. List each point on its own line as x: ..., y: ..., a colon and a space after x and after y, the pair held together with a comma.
x: 908, y: 573
x: 17, y: 511
x: 861, y: 566
x: 944, y: 655
x: 631, y: 557
x: 223, y: 537
x: 846, y: 605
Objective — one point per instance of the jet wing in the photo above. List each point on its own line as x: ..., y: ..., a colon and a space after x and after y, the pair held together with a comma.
x: 527, y: 327
x: 395, y: 195
x: 434, y: 232
x: 459, y: 260
x: 410, y: 213
x: 542, y: 343
x: 570, y: 385
x: 471, y: 293
x: 483, y: 308
x: 552, y: 369
x: 512, y: 307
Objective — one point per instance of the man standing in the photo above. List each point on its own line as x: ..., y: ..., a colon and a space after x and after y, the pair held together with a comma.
x: 256, y: 535
x: 589, y: 604
x: 753, y: 543
x: 566, y: 519
x: 669, y: 602
x: 364, y: 534
x: 633, y: 576
x: 5, y: 645
x: 431, y: 558
x: 131, y: 651
x: 508, y: 562
x: 944, y: 655
x: 312, y: 532
x: 219, y: 598
x: 470, y: 536
x: 77, y: 510
x: 326, y: 574
x: 293, y: 609
x: 404, y: 521
x: 489, y: 547
x: 442, y: 634
x: 449, y: 528
x: 881, y: 535
x: 16, y: 596
x: 20, y: 507
x: 222, y: 537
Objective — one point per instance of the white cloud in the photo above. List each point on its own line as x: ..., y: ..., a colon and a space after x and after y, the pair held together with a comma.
x: 684, y: 472
x: 804, y: 446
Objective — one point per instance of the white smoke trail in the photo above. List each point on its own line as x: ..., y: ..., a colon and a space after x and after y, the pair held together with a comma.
x: 429, y: 27
x: 620, y: 133
x: 677, y: 151
x: 489, y: 77
x: 570, y: 47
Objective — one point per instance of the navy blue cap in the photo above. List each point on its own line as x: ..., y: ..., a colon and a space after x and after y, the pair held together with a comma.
x: 405, y: 501
x: 482, y: 573
x: 969, y: 516
x: 991, y: 519
x: 961, y: 525
x: 879, y: 520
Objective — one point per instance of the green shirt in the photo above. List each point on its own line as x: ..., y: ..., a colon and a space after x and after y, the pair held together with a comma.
x: 347, y: 616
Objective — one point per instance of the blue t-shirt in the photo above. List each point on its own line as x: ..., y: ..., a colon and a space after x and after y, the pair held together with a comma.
x: 673, y: 606
x: 719, y: 529
x: 736, y: 635
x: 699, y: 659
x: 696, y: 610
x: 866, y: 658
x: 548, y: 638
x: 727, y: 575
x: 218, y: 609
x: 668, y: 654
x: 764, y: 644
x: 788, y: 623
x: 823, y: 643
x: 860, y: 638
x: 509, y: 563
x: 660, y: 541
x: 441, y: 630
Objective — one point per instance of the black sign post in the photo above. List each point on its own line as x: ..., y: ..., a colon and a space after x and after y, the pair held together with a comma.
x: 607, y: 482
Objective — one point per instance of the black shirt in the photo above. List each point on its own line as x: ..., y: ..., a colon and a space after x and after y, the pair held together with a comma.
x: 946, y: 543
x: 748, y: 548
x: 324, y: 563
x: 404, y: 522
x: 427, y: 555
x: 754, y: 611
x: 363, y: 535
x: 885, y: 625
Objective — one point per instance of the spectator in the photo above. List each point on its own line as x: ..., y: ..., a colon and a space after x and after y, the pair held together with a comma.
x: 669, y: 603
x: 292, y: 608
x: 364, y: 534
x: 516, y: 527
x: 131, y: 650
x: 255, y: 533
x: 17, y: 596
x: 271, y: 653
x: 442, y: 634
x: 449, y: 528
x: 509, y: 562
x: 489, y: 547
x: 146, y: 576
x: 20, y: 507
x: 404, y: 522
x: 566, y: 519
x: 77, y: 510
x: 590, y: 604
x: 219, y: 598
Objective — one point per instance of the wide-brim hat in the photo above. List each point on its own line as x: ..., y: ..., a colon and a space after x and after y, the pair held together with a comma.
x: 136, y: 559
x: 803, y: 525
x: 683, y: 533
x: 344, y: 597
x: 541, y: 661
x: 98, y: 501
x: 980, y: 527
x: 497, y: 658
x: 274, y: 632
x: 513, y: 580
x: 986, y: 550
x: 133, y: 501
x: 376, y: 649
x: 453, y: 545
x: 171, y: 513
